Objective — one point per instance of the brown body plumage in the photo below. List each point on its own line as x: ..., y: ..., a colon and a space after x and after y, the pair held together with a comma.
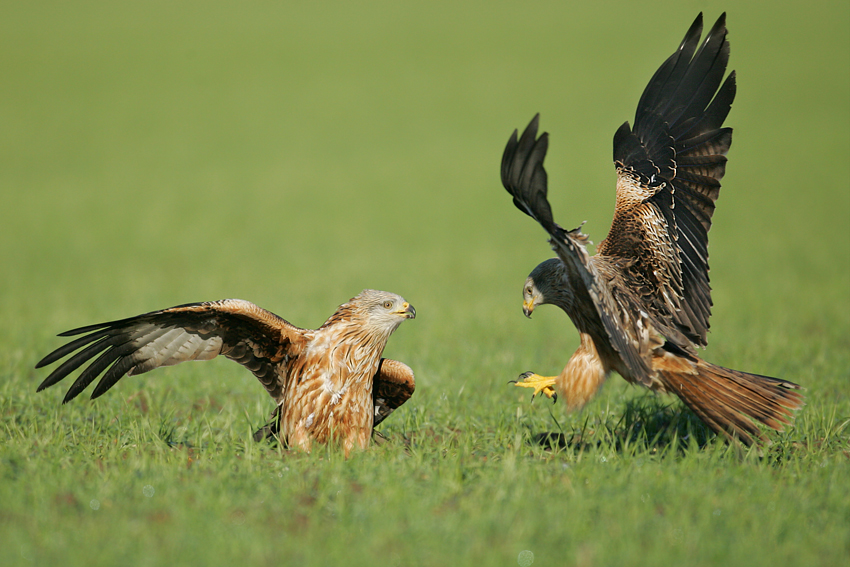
x: 642, y: 303
x: 329, y: 384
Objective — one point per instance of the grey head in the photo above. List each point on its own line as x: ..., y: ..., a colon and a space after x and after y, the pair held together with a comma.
x: 547, y: 283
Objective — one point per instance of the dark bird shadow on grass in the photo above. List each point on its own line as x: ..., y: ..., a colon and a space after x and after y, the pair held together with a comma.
x: 646, y: 422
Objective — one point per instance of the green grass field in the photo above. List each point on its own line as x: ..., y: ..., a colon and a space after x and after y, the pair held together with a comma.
x: 157, y: 153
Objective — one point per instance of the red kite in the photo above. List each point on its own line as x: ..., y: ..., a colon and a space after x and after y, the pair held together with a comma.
x: 641, y: 304
x: 329, y: 384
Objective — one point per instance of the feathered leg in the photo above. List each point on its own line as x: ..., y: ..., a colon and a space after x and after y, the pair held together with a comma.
x: 578, y: 382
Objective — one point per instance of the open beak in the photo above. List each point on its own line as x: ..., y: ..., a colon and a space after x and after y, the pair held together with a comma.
x: 528, y: 308
x: 408, y: 311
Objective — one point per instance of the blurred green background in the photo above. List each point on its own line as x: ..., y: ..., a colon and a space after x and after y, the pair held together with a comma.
x: 155, y: 153
x: 292, y: 154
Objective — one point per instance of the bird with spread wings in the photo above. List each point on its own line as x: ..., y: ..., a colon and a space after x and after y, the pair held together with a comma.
x: 330, y: 384
x: 641, y: 304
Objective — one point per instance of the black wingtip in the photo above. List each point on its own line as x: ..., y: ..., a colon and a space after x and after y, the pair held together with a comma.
x: 86, y: 329
x: 691, y: 38
x: 694, y: 30
x: 719, y: 28
x: 680, y: 103
x: 524, y: 176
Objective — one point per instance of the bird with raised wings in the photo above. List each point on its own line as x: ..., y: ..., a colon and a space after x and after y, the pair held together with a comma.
x: 330, y: 384
x: 641, y: 304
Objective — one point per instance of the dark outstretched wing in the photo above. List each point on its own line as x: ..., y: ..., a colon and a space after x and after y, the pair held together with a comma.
x: 525, y: 179
x: 255, y: 338
x: 393, y: 385
x: 669, y: 168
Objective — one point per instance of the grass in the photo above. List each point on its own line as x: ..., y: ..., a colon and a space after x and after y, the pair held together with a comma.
x: 155, y: 154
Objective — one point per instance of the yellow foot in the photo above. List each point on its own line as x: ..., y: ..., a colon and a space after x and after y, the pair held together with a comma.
x: 539, y: 383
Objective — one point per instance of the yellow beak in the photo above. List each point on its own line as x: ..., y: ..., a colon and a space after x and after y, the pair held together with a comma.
x: 528, y: 307
x: 407, y: 311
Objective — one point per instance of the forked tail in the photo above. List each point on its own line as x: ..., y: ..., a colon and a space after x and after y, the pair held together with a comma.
x: 731, y: 402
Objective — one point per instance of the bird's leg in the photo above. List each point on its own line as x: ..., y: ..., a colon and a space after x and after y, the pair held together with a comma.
x: 541, y: 384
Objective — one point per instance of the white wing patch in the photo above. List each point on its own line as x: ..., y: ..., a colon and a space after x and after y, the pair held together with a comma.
x: 172, y: 346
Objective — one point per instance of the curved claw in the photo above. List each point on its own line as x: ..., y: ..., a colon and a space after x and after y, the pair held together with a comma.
x: 539, y: 383
x: 521, y: 377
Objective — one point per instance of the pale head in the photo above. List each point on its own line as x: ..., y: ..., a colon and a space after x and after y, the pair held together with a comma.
x: 547, y: 283
x: 382, y: 310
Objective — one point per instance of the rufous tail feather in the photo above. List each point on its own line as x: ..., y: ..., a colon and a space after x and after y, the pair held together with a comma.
x: 730, y: 402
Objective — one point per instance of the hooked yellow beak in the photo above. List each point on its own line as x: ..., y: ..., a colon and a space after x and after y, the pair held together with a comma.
x: 528, y: 307
x: 407, y: 311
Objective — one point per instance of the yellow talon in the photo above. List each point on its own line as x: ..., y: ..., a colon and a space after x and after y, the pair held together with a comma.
x: 539, y: 383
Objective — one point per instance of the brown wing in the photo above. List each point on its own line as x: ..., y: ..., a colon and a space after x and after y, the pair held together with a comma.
x: 393, y: 385
x: 668, y: 178
x: 255, y: 338
x: 525, y: 179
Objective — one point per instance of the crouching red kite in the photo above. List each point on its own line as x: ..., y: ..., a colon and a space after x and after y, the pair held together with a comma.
x: 330, y: 384
x: 642, y: 302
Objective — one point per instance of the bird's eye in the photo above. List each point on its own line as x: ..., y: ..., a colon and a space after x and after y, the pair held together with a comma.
x: 528, y: 290
x: 388, y: 304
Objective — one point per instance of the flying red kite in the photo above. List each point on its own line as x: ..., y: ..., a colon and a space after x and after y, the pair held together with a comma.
x: 641, y: 304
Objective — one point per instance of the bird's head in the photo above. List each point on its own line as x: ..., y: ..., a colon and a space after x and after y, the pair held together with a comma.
x: 547, y: 283
x: 384, y: 311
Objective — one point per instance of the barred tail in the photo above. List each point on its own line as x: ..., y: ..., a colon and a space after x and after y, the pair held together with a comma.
x: 731, y: 402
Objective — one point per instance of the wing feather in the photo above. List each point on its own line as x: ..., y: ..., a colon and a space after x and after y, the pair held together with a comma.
x: 393, y: 385
x: 524, y: 176
x: 674, y: 159
x: 88, y: 375
x: 98, y: 344
x: 237, y: 329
